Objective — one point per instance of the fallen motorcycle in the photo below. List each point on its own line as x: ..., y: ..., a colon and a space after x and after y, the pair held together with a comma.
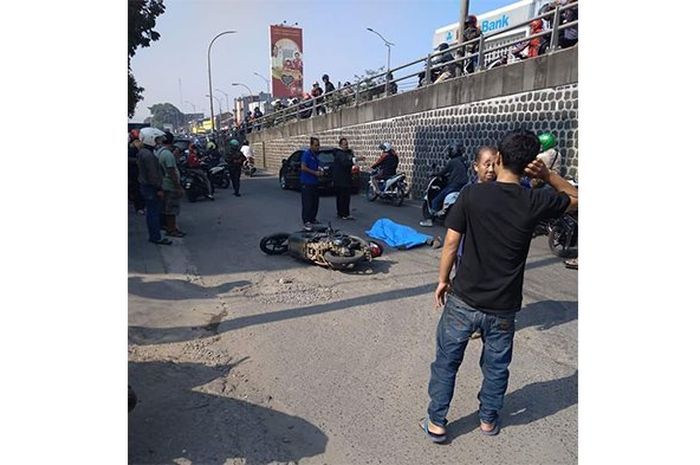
x: 323, y: 246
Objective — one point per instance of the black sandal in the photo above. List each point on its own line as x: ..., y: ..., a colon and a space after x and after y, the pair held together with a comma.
x: 162, y: 242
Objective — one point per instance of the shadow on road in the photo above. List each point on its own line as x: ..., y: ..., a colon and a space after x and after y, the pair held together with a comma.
x: 173, y: 421
x: 547, y: 314
x: 146, y: 336
x: 526, y: 405
x: 177, y: 289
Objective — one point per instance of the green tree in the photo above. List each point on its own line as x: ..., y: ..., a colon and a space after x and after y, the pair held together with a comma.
x: 142, y: 20
x: 166, y: 113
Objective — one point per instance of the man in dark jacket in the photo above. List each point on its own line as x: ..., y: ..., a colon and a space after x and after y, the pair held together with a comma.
x: 151, y: 183
x: 457, y: 173
x: 341, y: 171
x: 234, y: 159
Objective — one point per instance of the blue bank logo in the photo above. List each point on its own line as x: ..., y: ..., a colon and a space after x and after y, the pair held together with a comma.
x: 487, y: 26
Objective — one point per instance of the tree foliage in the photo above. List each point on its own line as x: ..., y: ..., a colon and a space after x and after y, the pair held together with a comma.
x: 142, y: 20
x: 166, y: 113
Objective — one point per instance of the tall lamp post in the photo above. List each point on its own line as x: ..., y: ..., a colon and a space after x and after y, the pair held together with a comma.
x: 228, y: 108
x: 211, y: 101
x: 219, y: 102
x: 388, y: 56
x: 267, y: 81
x: 250, y: 92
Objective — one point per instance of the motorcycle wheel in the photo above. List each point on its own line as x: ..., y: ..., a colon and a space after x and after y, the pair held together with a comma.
x: 398, y: 200
x: 223, y: 182
x: 371, y: 194
x: 560, y: 239
x: 426, y: 211
x: 275, y: 244
x: 341, y: 262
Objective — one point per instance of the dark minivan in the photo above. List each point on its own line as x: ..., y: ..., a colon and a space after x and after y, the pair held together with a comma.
x: 291, y: 171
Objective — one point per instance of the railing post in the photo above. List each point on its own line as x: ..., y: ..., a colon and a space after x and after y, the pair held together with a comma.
x: 386, y: 84
x: 554, y: 40
x: 313, y: 107
x: 482, y: 43
x: 428, y: 79
x: 357, y: 94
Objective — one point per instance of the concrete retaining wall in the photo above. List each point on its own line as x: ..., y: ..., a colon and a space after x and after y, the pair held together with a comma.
x: 539, y: 94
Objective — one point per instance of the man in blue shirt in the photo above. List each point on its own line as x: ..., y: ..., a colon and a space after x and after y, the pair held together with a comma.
x: 310, y: 173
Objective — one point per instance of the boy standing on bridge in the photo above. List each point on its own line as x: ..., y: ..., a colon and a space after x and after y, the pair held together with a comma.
x: 497, y: 220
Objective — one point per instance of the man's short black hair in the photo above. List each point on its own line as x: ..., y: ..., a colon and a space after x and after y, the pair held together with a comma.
x: 311, y: 142
x: 518, y: 148
x: 340, y: 141
x: 168, y: 138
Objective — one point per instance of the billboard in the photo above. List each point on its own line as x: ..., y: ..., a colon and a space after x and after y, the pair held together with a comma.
x: 286, y: 61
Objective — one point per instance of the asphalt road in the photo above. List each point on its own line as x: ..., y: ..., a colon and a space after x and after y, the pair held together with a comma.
x: 238, y: 357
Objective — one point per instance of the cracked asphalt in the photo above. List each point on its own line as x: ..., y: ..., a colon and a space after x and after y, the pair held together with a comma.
x: 242, y: 358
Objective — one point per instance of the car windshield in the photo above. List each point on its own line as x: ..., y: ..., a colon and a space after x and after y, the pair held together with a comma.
x: 325, y: 157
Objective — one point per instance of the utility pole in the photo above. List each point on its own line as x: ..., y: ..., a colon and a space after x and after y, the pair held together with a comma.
x: 463, y: 13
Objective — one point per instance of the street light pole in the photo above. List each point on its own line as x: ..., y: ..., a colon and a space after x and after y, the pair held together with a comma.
x: 267, y: 81
x: 219, y: 102
x: 228, y: 108
x: 463, y: 12
x: 250, y: 92
x: 388, y: 57
x: 211, y: 101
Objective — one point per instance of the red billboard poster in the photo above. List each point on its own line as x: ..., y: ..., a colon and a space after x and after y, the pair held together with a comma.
x: 286, y: 61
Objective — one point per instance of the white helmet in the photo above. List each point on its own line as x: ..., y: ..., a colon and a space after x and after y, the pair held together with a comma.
x: 149, y: 135
x: 385, y: 146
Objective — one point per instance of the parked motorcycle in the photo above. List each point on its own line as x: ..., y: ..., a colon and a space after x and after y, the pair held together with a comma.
x: 563, y: 236
x: 393, y: 189
x: 195, y: 187
x: 323, y: 246
x: 219, y: 176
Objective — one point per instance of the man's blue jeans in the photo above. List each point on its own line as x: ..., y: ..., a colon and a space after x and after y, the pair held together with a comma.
x: 154, y: 208
x: 456, y: 325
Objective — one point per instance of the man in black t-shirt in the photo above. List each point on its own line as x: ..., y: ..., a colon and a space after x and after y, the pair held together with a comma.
x: 497, y: 220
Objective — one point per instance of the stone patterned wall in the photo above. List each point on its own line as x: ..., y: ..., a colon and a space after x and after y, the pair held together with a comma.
x: 420, y: 139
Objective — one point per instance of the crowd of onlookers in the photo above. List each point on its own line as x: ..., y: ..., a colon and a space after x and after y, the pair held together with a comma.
x: 323, y: 98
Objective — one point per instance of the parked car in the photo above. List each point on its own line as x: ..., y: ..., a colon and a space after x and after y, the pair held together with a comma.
x: 290, y: 171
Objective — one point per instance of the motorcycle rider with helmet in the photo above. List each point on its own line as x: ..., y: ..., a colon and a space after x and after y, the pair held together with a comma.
x: 549, y: 155
x: 197, y: 168
x: 457, y: 173
x: 234, y: 160
x: 386, y: 166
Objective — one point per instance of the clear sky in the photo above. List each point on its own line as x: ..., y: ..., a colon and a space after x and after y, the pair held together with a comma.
x: 335, y: 38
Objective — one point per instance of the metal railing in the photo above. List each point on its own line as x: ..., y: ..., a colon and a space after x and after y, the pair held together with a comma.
x: 366, y: 89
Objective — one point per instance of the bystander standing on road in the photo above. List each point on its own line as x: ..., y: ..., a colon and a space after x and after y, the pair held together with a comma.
x: 151, y: 183
x: 234, y: 159
x: 172, y: 188
x: 135, y: 196
x: 497, y: 220
x: 310, y: 173
x: 341, y: 171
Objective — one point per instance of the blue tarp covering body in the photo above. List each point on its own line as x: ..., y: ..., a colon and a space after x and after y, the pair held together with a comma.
x: 397, y: 235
